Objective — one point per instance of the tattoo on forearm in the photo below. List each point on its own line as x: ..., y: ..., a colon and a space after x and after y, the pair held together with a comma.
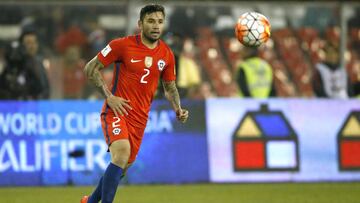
x: 172, y: 94
x: 92, y: 71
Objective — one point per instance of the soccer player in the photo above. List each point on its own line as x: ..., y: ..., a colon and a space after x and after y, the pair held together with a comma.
x: 140, y: 60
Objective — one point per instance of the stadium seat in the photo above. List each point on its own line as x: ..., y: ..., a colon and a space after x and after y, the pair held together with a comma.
x: 311, y: 43
x: 215, y: 66
x: 295, y: 60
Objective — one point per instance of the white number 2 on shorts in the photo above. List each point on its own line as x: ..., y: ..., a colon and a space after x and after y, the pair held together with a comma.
x: 116, y: 122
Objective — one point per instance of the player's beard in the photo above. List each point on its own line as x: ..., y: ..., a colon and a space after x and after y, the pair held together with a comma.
x: 151, y: 39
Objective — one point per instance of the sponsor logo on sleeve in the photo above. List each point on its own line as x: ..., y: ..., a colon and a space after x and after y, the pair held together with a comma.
x: 106, y: 50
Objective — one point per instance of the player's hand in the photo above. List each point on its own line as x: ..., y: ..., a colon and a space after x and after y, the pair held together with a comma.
x: 118, y: 105
x: 182, y: 115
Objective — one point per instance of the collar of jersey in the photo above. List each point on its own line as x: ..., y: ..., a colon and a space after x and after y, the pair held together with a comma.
x: 139, y: 42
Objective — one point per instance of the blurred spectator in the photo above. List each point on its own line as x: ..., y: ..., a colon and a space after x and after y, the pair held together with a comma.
x: 182, y: 21
x: 71, y: 44
x: 255, y: 76
x: 96, y: 38
x: 354, y: 28
x: 24, y: 76
x: 355, y: 73
x: 187, y: 71
x: 354, y: 21
x: 331, y: 80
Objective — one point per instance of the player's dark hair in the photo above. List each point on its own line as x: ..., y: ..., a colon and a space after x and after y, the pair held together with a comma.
x: 151, y: 8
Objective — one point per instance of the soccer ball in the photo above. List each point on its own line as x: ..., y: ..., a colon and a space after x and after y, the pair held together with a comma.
x: 252, y: 29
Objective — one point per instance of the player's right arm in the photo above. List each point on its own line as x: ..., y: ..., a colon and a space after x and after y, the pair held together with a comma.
x: 117, y: 104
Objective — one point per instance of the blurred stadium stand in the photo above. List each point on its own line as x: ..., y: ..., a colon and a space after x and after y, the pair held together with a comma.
x: 71, y: 33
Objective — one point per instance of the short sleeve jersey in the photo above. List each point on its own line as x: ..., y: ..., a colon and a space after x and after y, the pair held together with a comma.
x: 136, y: 73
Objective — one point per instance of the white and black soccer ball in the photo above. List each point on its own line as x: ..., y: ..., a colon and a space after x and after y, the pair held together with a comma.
x: 252, y: 29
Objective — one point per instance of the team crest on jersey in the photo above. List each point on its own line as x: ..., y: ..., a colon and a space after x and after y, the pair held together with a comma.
x: 148, y: 61
x: 161, y: 64
x: 116, y: 131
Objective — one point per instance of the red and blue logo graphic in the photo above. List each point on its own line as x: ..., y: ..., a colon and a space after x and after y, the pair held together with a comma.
x: 265, y: 141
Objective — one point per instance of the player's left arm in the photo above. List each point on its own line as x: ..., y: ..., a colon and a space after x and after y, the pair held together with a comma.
x: 172, y: 94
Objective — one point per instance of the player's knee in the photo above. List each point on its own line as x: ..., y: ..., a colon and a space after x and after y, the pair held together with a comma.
x: 120, y: 153
x: 120, y: 157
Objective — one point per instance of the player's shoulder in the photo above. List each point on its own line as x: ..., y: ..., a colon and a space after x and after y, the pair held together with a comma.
x: 165, y: 47
x: 126, y: 40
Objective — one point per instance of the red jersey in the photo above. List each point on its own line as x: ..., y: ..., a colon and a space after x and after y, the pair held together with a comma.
x: 136, y: 73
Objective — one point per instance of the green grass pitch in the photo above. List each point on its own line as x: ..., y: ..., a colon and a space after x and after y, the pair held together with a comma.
x: 198, y: 193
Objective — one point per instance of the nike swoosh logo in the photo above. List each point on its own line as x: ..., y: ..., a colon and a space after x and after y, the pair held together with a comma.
x: 134, y: 61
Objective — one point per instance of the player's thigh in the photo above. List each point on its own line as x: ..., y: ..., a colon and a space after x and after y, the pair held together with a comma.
x: 135, y: 139
x: 120, y: 149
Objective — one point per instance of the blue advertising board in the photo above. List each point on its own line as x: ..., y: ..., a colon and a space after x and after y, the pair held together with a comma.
x: 172, y: 151
x: 51, y: 143
x: 61, y: 142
